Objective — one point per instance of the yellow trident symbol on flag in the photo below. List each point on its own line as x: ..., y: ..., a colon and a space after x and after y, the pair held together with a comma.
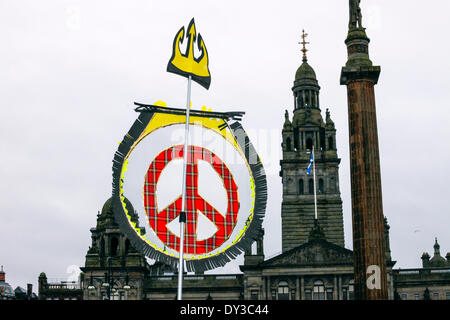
x: 186, y: 64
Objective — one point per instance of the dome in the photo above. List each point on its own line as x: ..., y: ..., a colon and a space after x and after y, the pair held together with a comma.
x: 438, y: 261
x: 106, y: 217
x: 6, y: 291
x: 107, y: 207
x: 305, y: 71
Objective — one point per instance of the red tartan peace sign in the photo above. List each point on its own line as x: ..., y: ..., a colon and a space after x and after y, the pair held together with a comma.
x: 159, y: 219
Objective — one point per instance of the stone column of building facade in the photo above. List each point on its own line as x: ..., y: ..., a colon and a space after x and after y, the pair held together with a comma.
x: 360, y: 77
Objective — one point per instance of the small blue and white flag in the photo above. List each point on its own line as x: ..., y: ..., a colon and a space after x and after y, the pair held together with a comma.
x: 308, y: 170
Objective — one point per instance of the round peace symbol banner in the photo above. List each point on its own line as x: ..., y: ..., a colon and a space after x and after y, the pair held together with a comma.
x: 225, y: 187
x: 197, y: 206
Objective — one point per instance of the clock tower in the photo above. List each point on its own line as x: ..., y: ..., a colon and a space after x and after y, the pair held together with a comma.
x: 308, y: 129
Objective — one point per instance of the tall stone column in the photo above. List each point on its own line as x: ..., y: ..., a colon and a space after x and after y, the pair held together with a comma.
x: 360, y: 77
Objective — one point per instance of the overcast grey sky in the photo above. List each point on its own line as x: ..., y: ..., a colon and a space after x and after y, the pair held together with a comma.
x: 71, y: 70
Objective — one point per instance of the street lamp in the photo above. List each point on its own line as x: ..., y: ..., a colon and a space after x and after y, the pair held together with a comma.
x: 126, y: 286
x: 91, y: 284
x: 108, y: 284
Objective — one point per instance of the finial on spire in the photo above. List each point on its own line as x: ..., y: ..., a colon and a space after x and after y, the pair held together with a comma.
x: 436, y: 246
x: 304, y: 43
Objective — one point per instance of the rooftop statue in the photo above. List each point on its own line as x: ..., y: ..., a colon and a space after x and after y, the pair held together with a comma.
x: 355, y: 15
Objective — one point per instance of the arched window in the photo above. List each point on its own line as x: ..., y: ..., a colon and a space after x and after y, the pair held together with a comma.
x: 288, y: 144
x: 321, y: 189
x: 300, y: 100
x: 283, y: 290
x: 319, y: 290
x: 311, y: 186
x: 332, y: 184
x: 330, y: 143
x: 254, y: 248
x: 114, y: 246
x: 309, y: 143
x: 301, y: 187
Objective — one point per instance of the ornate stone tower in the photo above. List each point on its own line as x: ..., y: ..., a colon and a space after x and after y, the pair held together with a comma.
x: 360, y: 77
x: 437, y: 261
x: 113, y: 268
x: 306, y: 130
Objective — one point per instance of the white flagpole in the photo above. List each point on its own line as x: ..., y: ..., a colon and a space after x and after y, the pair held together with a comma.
x: 314, y: 173
x: 182, y: 218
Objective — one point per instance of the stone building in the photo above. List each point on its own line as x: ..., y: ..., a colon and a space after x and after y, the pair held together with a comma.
x: 314, y: 263
x: 114, y: 269
x: 306, y: 130
x: 58, y: 290
x: 6, y: 291
x: 19, y: 293
x: 431, y: 282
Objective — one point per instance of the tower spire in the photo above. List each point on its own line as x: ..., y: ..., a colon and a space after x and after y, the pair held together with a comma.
x: 436, y: 247
x: 304, y: 43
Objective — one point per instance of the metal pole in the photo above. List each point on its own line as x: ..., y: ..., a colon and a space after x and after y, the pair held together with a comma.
x: 182, y: 218
x: 314, y: 174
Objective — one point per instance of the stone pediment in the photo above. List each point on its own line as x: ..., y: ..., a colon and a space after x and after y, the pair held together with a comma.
x: 314, y: 252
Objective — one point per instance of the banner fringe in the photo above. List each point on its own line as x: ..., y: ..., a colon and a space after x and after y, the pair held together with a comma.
x: 199, y: 265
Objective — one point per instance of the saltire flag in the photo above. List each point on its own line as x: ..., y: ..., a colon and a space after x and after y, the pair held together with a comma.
x: 308, y: 170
